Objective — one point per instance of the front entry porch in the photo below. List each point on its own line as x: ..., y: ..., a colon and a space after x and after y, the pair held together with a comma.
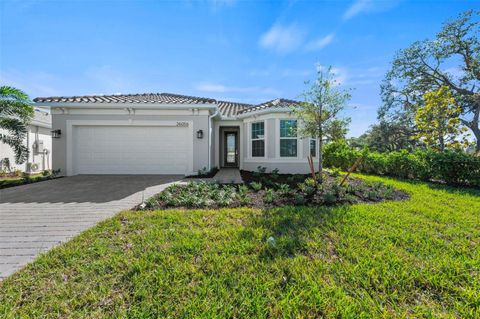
x: 228, y: 176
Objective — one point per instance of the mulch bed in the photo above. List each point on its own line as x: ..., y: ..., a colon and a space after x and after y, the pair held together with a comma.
x: 328, y: 194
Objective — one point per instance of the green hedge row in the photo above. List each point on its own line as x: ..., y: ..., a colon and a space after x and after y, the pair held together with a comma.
x: 451, y: 167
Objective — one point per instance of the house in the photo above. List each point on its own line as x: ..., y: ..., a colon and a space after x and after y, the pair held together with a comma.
x: 162, y: 133
x: 39, y: 142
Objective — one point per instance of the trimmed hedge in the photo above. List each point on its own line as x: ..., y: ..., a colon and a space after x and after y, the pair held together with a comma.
x: 451, y: 167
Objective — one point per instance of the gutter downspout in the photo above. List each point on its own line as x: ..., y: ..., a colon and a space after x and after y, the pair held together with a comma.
x: 210, y: 129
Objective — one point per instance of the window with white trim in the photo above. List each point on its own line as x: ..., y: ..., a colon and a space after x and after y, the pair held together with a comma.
x: 313, y: 147
x: 258, y: 139
x: 288, y: 138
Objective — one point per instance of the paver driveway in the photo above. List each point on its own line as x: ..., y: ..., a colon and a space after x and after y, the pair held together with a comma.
x: 36, y: 217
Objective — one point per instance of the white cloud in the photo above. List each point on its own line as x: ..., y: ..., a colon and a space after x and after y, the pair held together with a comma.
x: 364, y: 6
x: 319, y: 43
x: 282, y: 39
x: 358, y: 6
x: 220, y: 88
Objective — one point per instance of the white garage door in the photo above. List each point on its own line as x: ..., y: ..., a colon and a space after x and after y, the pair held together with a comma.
x: 131, y: 150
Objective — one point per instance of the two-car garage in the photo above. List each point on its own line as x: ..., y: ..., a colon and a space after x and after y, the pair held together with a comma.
x: 130, y: 149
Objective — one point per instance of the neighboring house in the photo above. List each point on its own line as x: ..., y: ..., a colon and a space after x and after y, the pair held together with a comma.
x: 173, y: 134
x: 39, y: 142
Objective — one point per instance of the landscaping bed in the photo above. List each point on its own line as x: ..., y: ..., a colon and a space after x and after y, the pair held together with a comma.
x: 266, y: 190
x: 17, y: 179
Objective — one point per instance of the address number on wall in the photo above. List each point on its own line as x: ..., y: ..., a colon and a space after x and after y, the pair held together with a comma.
x: 182, y: 124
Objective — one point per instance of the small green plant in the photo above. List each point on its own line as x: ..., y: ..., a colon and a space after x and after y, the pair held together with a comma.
x: 284, y: 189
x: 372, y: 194
x: 291, y: 179
x: 308, y: 187
x: 350, y: 189
x: 256, y: 186
x: 269, y: 196
x: 274, y: 173
x: 300, y: 199
x: 242, y: 189
x: 310, y: 182
x: 329, y: 198
x: 261, y: 169
x: 388, y: 192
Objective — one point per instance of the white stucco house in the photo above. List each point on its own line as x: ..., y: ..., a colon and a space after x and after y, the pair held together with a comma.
x: 39, y: 143
x: 163, y: 133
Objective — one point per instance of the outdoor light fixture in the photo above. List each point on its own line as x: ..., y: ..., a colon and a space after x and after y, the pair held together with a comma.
x: 56, y: 133
x: 200, y: 134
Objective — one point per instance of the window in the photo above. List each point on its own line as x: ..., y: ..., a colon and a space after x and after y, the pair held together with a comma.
x: 288, y: 138
x: 313, y: 147
x: 258, y: 139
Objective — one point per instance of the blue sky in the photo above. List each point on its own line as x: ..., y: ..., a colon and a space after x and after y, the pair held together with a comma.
x: 246, y: 51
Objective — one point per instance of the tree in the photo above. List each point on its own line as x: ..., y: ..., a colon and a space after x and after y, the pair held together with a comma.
x: 337, y: 129
x: 428, y: 65
x: 323, y: 100
x: 438, y: 122
x: 386, y: 137
x: 391, y: 136
x: 16, y: 112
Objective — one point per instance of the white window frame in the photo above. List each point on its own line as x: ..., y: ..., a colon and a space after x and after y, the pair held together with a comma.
x: 299, y: 141
x: 310, y: 147
x: 250, y: 140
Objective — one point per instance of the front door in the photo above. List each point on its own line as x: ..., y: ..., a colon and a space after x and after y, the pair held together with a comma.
x: 231, y: 149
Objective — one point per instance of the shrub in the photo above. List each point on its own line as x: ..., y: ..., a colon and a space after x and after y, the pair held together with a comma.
x: 300, y: 199
x: 451, y: 167
x: 284, y: 189
x: 269, y: 196
x: 195, y: 194
x: 256, y: 186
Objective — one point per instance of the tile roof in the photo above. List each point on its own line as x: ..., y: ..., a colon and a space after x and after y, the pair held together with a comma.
x: 277, y: 103
x: 230, y: 109
x: 227, y: 109
x: 128, y: 98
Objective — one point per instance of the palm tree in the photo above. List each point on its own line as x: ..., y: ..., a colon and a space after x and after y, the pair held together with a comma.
x: 16, y: 112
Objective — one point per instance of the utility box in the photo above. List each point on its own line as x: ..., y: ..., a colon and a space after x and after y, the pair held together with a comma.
x: 38, y: 146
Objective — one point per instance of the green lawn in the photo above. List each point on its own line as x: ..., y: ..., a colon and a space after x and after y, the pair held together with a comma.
x: 418, y: 258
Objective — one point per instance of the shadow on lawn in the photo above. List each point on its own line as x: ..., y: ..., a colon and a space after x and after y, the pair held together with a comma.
x: 436, y: 185
x: 290, y: 228
x: 460, y: 190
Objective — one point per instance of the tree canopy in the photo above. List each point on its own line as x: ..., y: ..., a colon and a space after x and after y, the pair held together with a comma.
x: 16, y: 112
x: 323, y: 100
x: 438, y: 120
x: 451, y: 59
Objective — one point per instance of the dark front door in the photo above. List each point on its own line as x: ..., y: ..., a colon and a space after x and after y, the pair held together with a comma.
x: 231, y: 149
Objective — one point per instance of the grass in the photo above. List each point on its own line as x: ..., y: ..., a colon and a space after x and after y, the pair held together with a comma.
x: 416, y: 258
x: 11, y: 181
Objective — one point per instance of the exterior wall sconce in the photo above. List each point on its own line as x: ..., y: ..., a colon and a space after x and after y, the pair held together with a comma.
x: 56, y: 133
x: 200, y: 134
